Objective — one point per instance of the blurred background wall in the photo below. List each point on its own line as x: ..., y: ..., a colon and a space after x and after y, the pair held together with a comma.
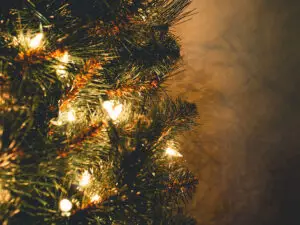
x: 243, y: 70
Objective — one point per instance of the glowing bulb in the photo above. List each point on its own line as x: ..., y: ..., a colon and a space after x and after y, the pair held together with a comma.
x: 65, y: 205
x: 60, y: 71
x: 95, y: 198
x: 65, y: 57
x: 173, y: 153
x: 85, y: 179
x: 113, y: 109
x: 36, y: 41
x: 71, y: 116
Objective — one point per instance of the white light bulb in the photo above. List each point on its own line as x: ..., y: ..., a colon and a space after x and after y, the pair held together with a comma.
x: 95, y: 198
x: 60, y: 71
x: 114, y: 110
x: 71, y: 116
x: 173, y: 153
x: 65, y: 205
x: 85, y: 179
x: 65, y: 57
x: 36, y: 41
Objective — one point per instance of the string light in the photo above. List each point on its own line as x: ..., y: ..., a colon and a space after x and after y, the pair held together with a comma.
x: 95, y: 198
x: 61, y: 69
x: 65, y: 205
x: 36, y: 41
x: 85, y: 179
x: 63, y: 117
x: 71, y: 116
x: 113, y: 109
x: 65, y: 57
x: 173, y: 153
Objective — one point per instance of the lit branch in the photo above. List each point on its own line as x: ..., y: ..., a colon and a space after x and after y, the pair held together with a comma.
x: 85, y: 179
x: 36, y: 42
x: 61, y: 68
x: 172, y: 152
x: 71, y: 115
x: 113, y: 109
x: 96, y: 198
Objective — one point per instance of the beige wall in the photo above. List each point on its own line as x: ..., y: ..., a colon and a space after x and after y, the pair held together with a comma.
x: 242, y: 69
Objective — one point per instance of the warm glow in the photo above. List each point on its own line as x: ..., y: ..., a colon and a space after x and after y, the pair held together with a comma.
x: 61, y: 69
x: 64, y: 117
x: 113, y: 109
x: 5, y: 196
x: 71, y: 116
x: 65, y: 58
x: 85, y: 179
x: 173, y: 153
x: 36, y: 41
x: 56, y: 122
x: 95, y: 198
x: 65, y: 205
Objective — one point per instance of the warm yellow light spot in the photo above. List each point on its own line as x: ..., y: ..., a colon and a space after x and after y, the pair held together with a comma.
x: 36, y: 41
x: 56, y: 122
x: 85, y: 179
x: 173, y: 153
x: 65, y: 57
x: 95, y: 198
x: 65, y: 205
x: 71, y: 116
x: 113, y: 109
x: 61, y: 69
x: 5, y: 196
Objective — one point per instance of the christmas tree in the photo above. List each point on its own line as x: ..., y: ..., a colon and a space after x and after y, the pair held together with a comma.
x: 88, y: 132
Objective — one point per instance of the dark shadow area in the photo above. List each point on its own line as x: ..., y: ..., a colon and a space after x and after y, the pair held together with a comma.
x: 284, y: 189
x: 283, y: 158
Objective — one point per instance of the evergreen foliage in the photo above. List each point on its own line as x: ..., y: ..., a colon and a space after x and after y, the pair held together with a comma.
x: 85, y: 116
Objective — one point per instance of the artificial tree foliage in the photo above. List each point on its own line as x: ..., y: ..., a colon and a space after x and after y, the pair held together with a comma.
x: 88, y: 133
